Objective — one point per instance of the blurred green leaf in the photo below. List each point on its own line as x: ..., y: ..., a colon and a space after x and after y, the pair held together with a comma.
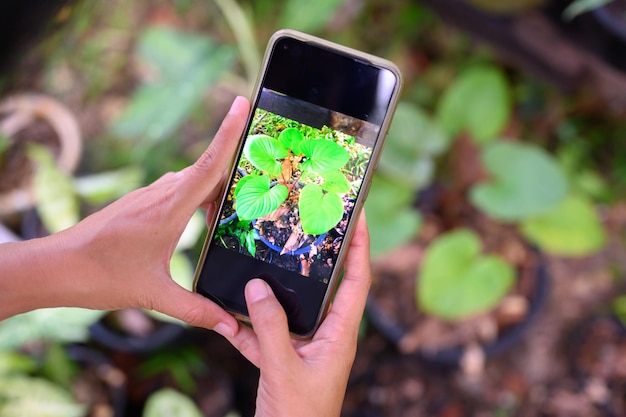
x: 391, y: 219
x: 192, y: 232
x: 15, y: 363
x: 573, y: 157
x: 526, y: 181
x: 185, y: 66
x: 578, y: 7
x: 618, y: 306
x: 570, y: 229
x: 57, y: 365
x: 60, y: 324
x: 308, y: 16
x: 477, y: 102
x: 104, y: 187
x: 412, y: 142
x: 57, y: 203
x: 5, y: 142
x: 34, y: 397
x: 167, y: 402
x: 456, y: 281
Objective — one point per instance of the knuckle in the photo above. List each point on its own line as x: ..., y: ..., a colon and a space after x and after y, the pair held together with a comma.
x: 196, y: 315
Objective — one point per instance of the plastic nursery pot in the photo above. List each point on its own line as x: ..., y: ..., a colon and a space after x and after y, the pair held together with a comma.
x: 300, y: 251
x: 106, y: 333
x: 107, y: 395
x: 451, y: 357
x: 18, y: 113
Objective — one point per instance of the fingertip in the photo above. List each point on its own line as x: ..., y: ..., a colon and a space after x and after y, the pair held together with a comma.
x: 227, y: 329
x: 257, y: 290
x: 240, y: 105
x: 268, y: 318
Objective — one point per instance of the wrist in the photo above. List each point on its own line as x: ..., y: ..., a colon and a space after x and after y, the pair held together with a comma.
x: 34, y: 275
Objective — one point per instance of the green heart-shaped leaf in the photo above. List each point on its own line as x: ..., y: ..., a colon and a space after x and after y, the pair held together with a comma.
x: 456, y: 282
x: 413, y: 141
x: 265, y: 153
x: 319, y: 211
x: 335, y: 182
x: 167, y: 402
x: 526, y: 182
x: 241, y: 182
x: 570, y: 229
x: 291, y: 138
x: 391, y: 219
x: 322, y: 155
x: 477, y: 102
x: 256, y: 199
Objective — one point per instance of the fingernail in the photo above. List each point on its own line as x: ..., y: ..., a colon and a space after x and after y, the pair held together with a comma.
x: 237, y: 103
x: 256, y: 290
x: 224, y: 330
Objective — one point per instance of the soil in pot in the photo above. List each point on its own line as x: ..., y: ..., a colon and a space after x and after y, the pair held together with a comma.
x: 280, y: 241
x: 596, y: 350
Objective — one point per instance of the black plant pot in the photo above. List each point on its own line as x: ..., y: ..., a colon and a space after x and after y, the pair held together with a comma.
x: 451, y: 357
x: 104, y: 334
x: 112, y: 379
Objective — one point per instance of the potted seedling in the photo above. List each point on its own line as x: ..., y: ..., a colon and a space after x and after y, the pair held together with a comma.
x: 294, y: 188
x: 474, y: 276
x: 27, y: 119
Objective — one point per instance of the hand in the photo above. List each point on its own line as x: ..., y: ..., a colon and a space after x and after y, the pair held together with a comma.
x: 307, y: 378
x: 119, y: 257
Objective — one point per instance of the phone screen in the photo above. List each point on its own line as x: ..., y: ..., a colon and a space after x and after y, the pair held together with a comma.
x: 315, y: 126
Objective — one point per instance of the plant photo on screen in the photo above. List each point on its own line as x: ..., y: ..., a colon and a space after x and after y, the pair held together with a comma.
x: 293, y: 193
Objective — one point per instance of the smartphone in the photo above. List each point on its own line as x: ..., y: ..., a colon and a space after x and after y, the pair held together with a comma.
x: 320, y: 113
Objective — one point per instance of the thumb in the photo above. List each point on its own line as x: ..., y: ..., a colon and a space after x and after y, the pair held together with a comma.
x: 195, y: 310
x: 269, y: 321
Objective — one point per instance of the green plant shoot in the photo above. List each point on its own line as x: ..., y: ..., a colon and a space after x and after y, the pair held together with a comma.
x: 525, y: 181
x: 570, y: 229
x: 283, y: 165
x: 456, y: 281
x: 478, y: 103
